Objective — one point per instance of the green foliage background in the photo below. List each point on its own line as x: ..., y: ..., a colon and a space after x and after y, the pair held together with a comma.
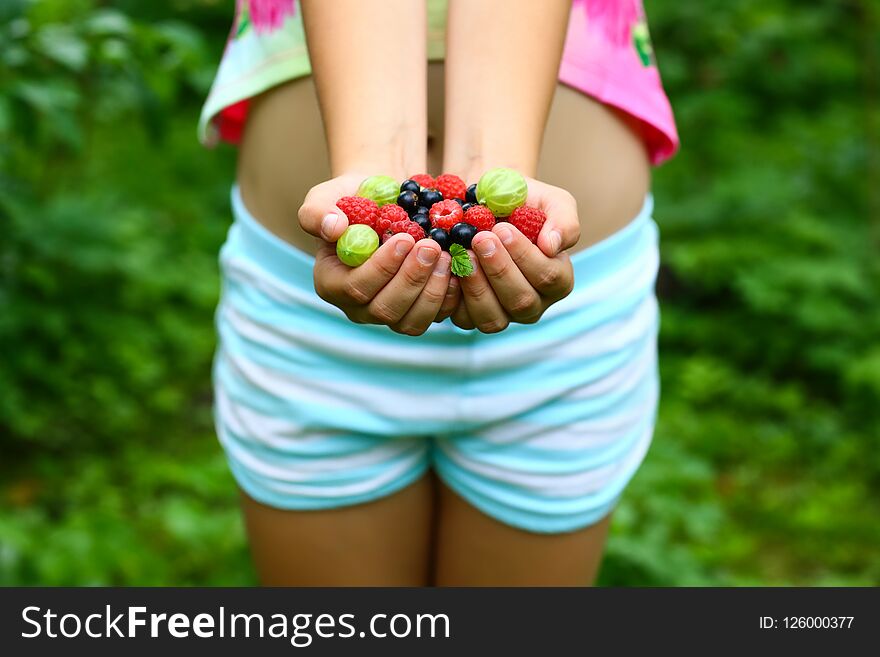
x: 766, y: 463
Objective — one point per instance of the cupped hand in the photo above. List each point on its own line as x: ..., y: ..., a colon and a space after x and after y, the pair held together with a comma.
x: 515, y: 280
x: 405, y: 284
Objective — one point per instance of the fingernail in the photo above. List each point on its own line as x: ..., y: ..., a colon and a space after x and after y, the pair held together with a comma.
x: 426, y: 255
x: 328, y: 224
x: 504, y: 234
x: 485, y: 248
x: 555, y: 240
x: 441, y: 267
x: 403, y: 247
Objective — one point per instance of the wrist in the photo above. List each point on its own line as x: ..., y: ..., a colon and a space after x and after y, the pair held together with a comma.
x: 471, y: 156
x: 397, y: 154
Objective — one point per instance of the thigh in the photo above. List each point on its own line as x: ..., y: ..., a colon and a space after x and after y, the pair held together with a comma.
x: 381, y: 543
x: 476, y: 550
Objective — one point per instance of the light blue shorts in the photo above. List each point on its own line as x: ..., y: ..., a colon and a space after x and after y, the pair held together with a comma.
x: 540, y: 426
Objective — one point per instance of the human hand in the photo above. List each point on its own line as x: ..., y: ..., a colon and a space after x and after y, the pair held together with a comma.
x: 515, y: 280
x: 405, y: 284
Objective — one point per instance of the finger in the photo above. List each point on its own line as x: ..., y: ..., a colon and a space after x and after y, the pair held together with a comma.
x: 552, y: 277
x: 562, y: 230
x: 425, y: 308
x: 398, y: 296
x: 345, y: 286
x: 452, y: 299
x: 461, y: 318
x: 521, y: 301
x: 319, y: 215
x: 482, y: 305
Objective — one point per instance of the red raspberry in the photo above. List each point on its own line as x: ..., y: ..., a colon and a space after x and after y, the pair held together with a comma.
x: 480, y: 217
x: 529, y: 221
x: 389, y: 214
x: 445, y: 214
x: 359, y: 210
x: 404, y: 226
x: 424, y: 179
x: 451, y: 186
x: 393, y: 213
x: 382, y: 226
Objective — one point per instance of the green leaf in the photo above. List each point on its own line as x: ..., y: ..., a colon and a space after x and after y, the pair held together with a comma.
x: 109, y: 22
x: 461, y: 261
x: 60, y: 43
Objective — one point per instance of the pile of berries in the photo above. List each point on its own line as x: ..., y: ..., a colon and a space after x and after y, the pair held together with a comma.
x: 444, y: 209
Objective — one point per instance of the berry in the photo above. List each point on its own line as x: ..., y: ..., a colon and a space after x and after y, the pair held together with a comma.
x: 528, y: 221
x: 462, y: 233
x: 423, y: 179
x: 410, y: 186
x: 393, y: 213
x: 451, y: 186
x: 471, y: 195
x: 359, y: 210
x: 413, y: 229
x: 356, y: 245
x: 429, y: 197
x: 382, y: 226
x: 445, y: 214
x: 421, y: 210
x: 382, y: 189
x: 409, y: 201
x: 441, y: 237
x: 404, y: 226
x: 480, y: 217
x: 502, y: 190
x: 459, y: 201
x: 423, y: 221
x: 467, y: 206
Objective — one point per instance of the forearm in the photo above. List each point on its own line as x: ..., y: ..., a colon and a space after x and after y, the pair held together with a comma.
x: 369, y: 64
x: 500, y: 81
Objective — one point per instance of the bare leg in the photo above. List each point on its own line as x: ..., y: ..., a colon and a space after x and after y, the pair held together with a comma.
x: 381, y: 543
x: 476, y: 550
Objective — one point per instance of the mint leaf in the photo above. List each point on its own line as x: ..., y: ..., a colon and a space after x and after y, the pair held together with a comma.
x: 461, y: 262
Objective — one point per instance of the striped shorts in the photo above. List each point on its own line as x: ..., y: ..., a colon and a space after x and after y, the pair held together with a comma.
x: 540, y: 426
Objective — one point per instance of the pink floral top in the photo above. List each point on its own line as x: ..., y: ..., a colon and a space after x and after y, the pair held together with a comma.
x: 607, y: 55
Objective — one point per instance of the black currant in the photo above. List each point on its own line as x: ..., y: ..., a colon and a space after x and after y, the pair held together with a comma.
x: 459, y: 201
x: 467, y: 206
x: 429, y: 197
x: 471, y: 196
x: 462, y: 233
x: 423, y: 221
x: 441, y: 237
x: 422, y: 210
x: 410, y: 186
x: 409, y: 201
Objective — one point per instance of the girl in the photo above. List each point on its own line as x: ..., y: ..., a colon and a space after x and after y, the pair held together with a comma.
x: 492, y: 448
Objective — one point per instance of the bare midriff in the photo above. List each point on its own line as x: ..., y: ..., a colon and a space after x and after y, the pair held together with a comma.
x: 594, y: 152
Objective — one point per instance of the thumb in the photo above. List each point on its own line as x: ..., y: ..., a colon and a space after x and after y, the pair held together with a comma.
x: 562, y: 230
x: 319, y: 215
